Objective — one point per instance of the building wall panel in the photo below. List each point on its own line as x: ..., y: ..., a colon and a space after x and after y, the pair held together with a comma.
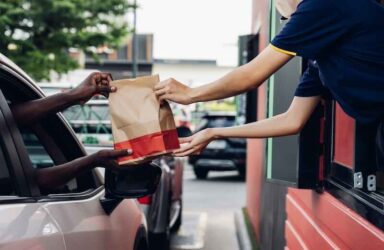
x: 328, y: 224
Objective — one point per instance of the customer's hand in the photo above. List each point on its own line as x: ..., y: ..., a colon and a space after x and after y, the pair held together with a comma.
x: 174, y: 91
x: 95, y: 84
x: 195, y: 144
x: 107, y: 158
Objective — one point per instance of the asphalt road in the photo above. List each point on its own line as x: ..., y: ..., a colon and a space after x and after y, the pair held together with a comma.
x: 209, y: 207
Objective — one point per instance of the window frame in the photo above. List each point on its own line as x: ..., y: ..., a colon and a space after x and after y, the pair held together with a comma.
x: 339, y: 179
x: 31, y: 190
x: 14, y: 163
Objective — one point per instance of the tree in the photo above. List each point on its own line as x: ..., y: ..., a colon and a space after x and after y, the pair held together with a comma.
x: 37, y: 34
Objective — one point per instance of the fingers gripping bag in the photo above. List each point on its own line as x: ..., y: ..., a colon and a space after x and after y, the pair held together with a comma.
x: 139, y: 122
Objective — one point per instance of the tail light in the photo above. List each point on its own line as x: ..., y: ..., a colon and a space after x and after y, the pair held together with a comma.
x: 146, y: 200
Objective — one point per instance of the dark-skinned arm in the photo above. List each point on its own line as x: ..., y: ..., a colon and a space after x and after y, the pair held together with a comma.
x: 57, y: 176
x: 27, y: 113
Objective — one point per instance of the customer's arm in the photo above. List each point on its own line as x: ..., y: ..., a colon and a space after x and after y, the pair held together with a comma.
x: 239, y: 80
x: 288, y: 123
x: 29, y: 112
x: 57, y: 176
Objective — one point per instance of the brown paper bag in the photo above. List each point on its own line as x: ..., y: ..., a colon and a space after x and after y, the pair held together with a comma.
x: 139, y: 122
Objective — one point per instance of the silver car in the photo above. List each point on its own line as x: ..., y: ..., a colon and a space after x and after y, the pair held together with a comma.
x: 86, y: 213
x: 163, y: 209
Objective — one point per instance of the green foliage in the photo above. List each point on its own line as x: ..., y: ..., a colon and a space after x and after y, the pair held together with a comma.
x: 37, y: 34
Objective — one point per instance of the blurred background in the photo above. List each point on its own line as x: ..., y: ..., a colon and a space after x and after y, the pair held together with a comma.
x: 300, y: 192
x: 193, y: 42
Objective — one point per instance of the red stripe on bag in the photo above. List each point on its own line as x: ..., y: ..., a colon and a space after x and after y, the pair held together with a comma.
x: 151, y: 144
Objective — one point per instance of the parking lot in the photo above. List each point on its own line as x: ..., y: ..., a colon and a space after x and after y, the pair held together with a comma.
x: 209, y: 207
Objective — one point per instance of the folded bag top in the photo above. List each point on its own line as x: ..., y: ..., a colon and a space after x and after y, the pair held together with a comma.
x: 139, y: 122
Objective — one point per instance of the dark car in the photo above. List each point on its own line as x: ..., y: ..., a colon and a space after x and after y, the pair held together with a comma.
x: 223, y: 154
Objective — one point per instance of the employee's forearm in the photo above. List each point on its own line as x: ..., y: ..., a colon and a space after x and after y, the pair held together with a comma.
x: 234, y: 83
x: 242, y: 79
x: 287, y: 123
x: 280, y: 125
x: 29, y: 112
x: 57, y: 176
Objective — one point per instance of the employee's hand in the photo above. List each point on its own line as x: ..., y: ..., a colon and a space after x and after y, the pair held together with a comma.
x: 95, y: 84
x: 174, y: 91
x: 107, y: 158
x: 195, y: 144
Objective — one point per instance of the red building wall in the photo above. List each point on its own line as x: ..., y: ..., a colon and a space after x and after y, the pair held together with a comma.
x: 255, y: 156
x: 320, y: 221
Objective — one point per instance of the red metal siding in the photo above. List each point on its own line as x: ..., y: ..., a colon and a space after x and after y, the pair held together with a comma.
x: 314, y: 221
x: 255, y: 155
x: 319, y: 221
x: 294, y: 240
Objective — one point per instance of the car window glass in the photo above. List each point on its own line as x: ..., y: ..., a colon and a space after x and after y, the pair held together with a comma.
x: 50, y: 142
x: 216, y: 121
x: 221, y: 122
x: 380, y: 182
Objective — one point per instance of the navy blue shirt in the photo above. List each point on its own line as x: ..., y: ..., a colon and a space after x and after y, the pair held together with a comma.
x: 345, y: 41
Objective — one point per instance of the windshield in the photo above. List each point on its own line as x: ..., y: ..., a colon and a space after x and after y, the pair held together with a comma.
x: 216, y: 121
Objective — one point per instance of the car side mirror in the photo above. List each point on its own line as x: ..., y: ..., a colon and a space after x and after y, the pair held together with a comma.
x: 130, y: 182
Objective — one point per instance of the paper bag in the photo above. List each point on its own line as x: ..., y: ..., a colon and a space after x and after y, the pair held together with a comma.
x: 139, y: 122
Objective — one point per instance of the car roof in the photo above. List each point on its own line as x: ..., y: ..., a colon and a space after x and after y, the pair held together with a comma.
x: 10, y: 64
x: 20, y: 73
x: 213, y: 114
x: 7, y: 62
x: 55, y: 85
x: 95, y: 102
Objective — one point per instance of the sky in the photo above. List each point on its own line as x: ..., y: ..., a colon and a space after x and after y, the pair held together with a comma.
x: 195, y: 30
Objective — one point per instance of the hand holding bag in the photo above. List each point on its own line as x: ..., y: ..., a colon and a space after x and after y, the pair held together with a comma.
x: 139, y: 122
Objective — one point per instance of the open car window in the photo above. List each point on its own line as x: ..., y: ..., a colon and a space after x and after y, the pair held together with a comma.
x: 40, y: 159
x: 48, y: 143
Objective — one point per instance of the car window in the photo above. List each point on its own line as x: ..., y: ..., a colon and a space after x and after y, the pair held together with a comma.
x: 216, y: 121
x: 221, y: 122
x: 48, y: 143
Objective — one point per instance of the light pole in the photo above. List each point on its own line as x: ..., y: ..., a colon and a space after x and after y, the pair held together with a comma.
x: 134, y: 43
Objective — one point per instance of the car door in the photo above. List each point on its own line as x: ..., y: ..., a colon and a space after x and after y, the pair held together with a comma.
x: 24, y: 223
x: 75, y: 208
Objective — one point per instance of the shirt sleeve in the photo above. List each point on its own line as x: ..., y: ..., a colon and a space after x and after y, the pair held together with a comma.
x: 315, y: 27
x: 310, y: 83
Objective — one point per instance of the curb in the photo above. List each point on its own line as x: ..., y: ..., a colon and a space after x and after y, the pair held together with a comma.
x: 242, y: 232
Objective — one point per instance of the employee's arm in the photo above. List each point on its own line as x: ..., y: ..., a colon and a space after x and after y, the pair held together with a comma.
x: 241, y: 79
x: 29, y: 112
x: 288, y: 123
